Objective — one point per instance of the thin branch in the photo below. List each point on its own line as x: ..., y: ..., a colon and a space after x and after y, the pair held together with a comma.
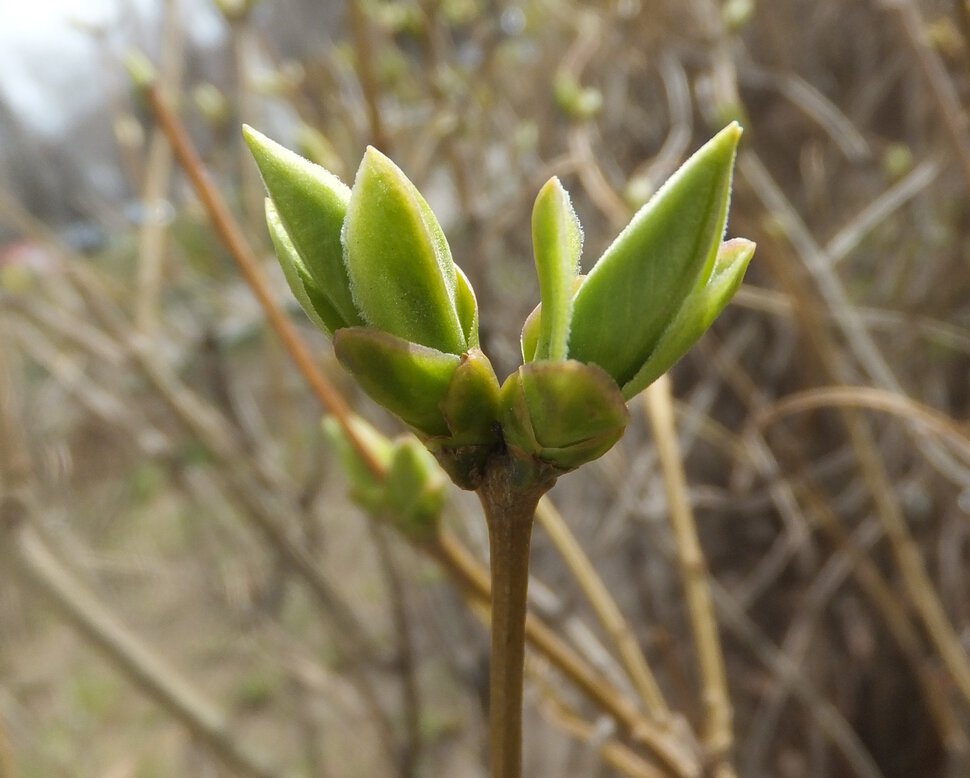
x: 718, y: 735
x: 677, y: 756
x: 229, y: 230
x: 158, y: 174
x: 606, y: 609
x: 38, y: 565
x: 937, y: 79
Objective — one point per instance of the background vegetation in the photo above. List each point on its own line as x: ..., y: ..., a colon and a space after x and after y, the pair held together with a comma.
x: 165, y: 488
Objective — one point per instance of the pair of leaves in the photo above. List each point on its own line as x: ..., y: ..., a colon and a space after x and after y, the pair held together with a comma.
x: 655, y: 290
x: 374, y: 255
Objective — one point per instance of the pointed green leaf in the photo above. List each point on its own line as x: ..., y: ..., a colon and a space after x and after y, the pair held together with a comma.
x: 467, y: 308
x: 529, y: 339
x: 401, y: 271
x: 408, y: 379
x: 312, y: 205
x: 315, y: 304
x: 638, y: 285
x: 565, y: 413
x: 697, y: 314
x: 557, y: 240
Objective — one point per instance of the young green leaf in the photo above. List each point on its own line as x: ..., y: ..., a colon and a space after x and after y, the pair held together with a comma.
x: 557, y: 240
x: 401, y: 271
x: 467, y: 308
x: 408, y: 379
x: 316, y: 304
x: 311, y: 204
x: 641, y: 281
x: 696, y: 315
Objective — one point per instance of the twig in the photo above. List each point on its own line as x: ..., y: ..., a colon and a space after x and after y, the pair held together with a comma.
x: 718, y: 736
x: 364, y: 62
x: 468, y: 573
x: 934, y: 71
x: 158, y: 174
x: 605, y: 608
x: 231, y: 234
x: 509, y: 512
x: 474, y: 581
x: 829, y: 719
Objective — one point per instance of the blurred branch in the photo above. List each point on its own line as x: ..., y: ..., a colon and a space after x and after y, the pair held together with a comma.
x: 7, y: 768
x: 158, y: 175
x: 937, y: 79
x: 822, y: 711
x: 228, y: 229
x: 364, y: 59
x: 873, y: 399
x: 919, y: 586
x: 38, y: 565
x: 409, y: 757
x: 473, y: 580
x: 695, y: 579
x: 806, y: 491
x: 834, y: 297
x: 606, y: 609
x: 845, y: 241
x: 595, y: 736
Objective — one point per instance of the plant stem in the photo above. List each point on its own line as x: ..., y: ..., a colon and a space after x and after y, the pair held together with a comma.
x: 509, y: 510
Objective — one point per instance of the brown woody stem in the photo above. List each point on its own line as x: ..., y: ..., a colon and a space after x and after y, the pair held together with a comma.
x: 509, y: 510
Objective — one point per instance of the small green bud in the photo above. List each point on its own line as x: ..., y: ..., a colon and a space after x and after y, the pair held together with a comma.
x: 412, y: 491
x: 366, y: 488
x: 212, y: 104
x: 561, y: 413
x: 575, y: 100
x: 416, y: 489
x: 401, y: 271
x: 529, y: 339
x: 635, y: 290
x: 470, y: 405
x: 140, y: 69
